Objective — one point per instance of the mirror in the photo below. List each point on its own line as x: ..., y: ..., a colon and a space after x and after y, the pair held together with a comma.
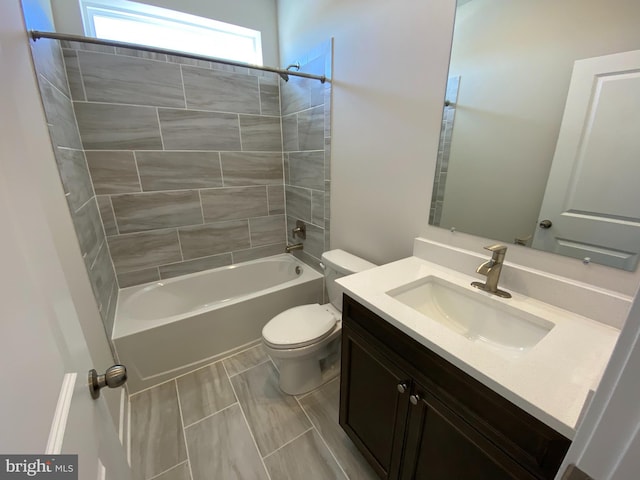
x: 509, y: 83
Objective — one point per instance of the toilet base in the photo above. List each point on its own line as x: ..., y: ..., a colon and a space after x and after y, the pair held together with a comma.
x: 300, y: 375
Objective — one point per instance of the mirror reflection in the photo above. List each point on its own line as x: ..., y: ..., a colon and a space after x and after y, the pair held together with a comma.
x: 540, y: 143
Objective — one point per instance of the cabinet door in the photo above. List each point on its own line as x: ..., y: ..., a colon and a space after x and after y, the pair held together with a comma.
x: 374, y: 396
x: 442, y: 446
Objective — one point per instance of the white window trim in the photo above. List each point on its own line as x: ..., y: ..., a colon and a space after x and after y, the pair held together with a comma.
x: 151, y: 14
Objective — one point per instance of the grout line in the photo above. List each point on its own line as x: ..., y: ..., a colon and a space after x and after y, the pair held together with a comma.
x: 135, y: 162
x: 201, y: 207
x: 184, y: 434
x: 247, y: 423
x: 168, y: 470
x: 321, y: 437
x: 240, y: 133
x: 221, y: 171
x: 311, y: 428
x: 249, y: 230
x: 212, y: 414
x: 115, y: 220
x: 184, y: 92
x: 250, y: 368
x: 84, y: 90
x: 179, y: 246
x: 159, y: 128
x: 178, y: 109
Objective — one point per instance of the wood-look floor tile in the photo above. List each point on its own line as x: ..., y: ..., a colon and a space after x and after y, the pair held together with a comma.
x: 245, y: 360
x: 204, y: 392
x: 221, y: 447
x: 322, y: 406
x: 181, y: 472
x: 274, y: 418
x: 157, y: 438
x: 306, y: 457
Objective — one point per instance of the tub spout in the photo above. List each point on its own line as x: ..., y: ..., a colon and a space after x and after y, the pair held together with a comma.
x: 297, y: 246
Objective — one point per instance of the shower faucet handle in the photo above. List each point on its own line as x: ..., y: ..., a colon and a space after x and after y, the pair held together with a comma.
x: 300, y: 230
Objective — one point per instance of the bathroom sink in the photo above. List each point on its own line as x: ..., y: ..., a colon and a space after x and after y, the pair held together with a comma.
x: 474, y: 314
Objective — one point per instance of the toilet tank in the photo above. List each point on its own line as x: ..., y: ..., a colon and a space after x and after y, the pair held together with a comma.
x: 338, y: 264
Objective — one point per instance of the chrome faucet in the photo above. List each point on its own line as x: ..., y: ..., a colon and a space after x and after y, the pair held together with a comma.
x: 491, y: 270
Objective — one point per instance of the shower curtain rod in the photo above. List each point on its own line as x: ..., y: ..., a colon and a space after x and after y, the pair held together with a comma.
x: 285, y: 74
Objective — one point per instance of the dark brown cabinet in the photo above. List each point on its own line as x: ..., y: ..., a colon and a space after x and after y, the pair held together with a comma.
x: 413, y: 415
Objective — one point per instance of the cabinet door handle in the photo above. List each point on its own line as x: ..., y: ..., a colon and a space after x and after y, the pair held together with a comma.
x: 402, y: 387
x: 414, y: 399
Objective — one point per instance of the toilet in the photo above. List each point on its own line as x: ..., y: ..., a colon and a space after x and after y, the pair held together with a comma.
x: 300, y: 339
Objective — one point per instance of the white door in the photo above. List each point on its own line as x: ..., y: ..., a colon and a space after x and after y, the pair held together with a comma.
x: 44, y: 356
x: 592, y: 197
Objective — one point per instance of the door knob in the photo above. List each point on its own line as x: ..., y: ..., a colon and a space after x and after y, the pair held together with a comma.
x: 414, y: 399
x: 545, y: 224
x: 402, y: 387
x: 114, y: 377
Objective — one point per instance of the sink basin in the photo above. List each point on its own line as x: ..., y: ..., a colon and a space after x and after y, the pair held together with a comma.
x: 474, y: 314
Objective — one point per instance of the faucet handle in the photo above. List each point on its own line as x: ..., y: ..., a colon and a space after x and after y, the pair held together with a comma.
x: 497, y: 248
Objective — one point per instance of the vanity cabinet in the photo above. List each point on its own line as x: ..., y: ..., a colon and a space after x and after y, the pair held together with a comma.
x: 413, y: 415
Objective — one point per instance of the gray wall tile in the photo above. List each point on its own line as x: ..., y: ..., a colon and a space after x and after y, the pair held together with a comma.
x: 258, y: 252
x: 118, y: 127
x: 214, y: 238
x: 89, y: 47
x: 221, y: 91
x: 130, y: 52
x: 251, y: 168
x: 179, y: 170
x: 150, y: 211
x: 48, y: 62
x: 113, y: 172
x: 306, y: 169
x: 294, y: 95
x: 89, y: 231
x: 314, y: 243
x: 269, y: 98
x: 124, y: 79
x: 74, y: 174
x: 102, y: 279
x: 311, y: 129
x: 73, y: 74
x: 59, y: 112
x: 233, y: 203
x: 317, y: 207
x: 106, y: 214
x: 192, y: 266
x: 298, y: 202
x: 144, y: 250
x: 290, y: 133
x: 275, y: 194
x: 191, y: 130
x: 261, y: 133
x: 267, y: 230
x: 137, y: 277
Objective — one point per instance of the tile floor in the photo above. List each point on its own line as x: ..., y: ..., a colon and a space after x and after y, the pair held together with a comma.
x: 229, y: 420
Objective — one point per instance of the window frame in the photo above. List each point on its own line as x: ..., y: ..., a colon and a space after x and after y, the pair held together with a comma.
x: 157, y: 16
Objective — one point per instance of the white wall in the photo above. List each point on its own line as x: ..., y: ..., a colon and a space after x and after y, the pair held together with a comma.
x: 45, y: 187
x: 515, y: 61
x: 390, y: 66
x: 256, y: 14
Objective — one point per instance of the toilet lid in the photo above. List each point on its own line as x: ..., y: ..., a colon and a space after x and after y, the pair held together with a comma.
x: 299, y: 326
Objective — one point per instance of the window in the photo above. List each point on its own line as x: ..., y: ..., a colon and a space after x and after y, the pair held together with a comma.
x: 132, y: 22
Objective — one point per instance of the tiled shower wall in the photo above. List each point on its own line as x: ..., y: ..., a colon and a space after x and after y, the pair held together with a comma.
x: 185, y: 158
x: 72, y: 165
x: 306, y: 133
x: 444, y: 150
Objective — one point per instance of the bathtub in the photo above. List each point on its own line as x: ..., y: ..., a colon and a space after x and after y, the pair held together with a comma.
x: 168, y: 328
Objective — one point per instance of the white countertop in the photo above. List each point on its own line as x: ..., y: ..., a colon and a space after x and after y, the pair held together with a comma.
x: 550, y: 381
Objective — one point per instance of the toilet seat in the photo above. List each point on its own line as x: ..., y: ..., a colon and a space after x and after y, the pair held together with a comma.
x: 299, y: 327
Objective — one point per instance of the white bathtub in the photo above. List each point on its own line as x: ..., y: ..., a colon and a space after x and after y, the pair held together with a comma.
x: 167, y: 328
